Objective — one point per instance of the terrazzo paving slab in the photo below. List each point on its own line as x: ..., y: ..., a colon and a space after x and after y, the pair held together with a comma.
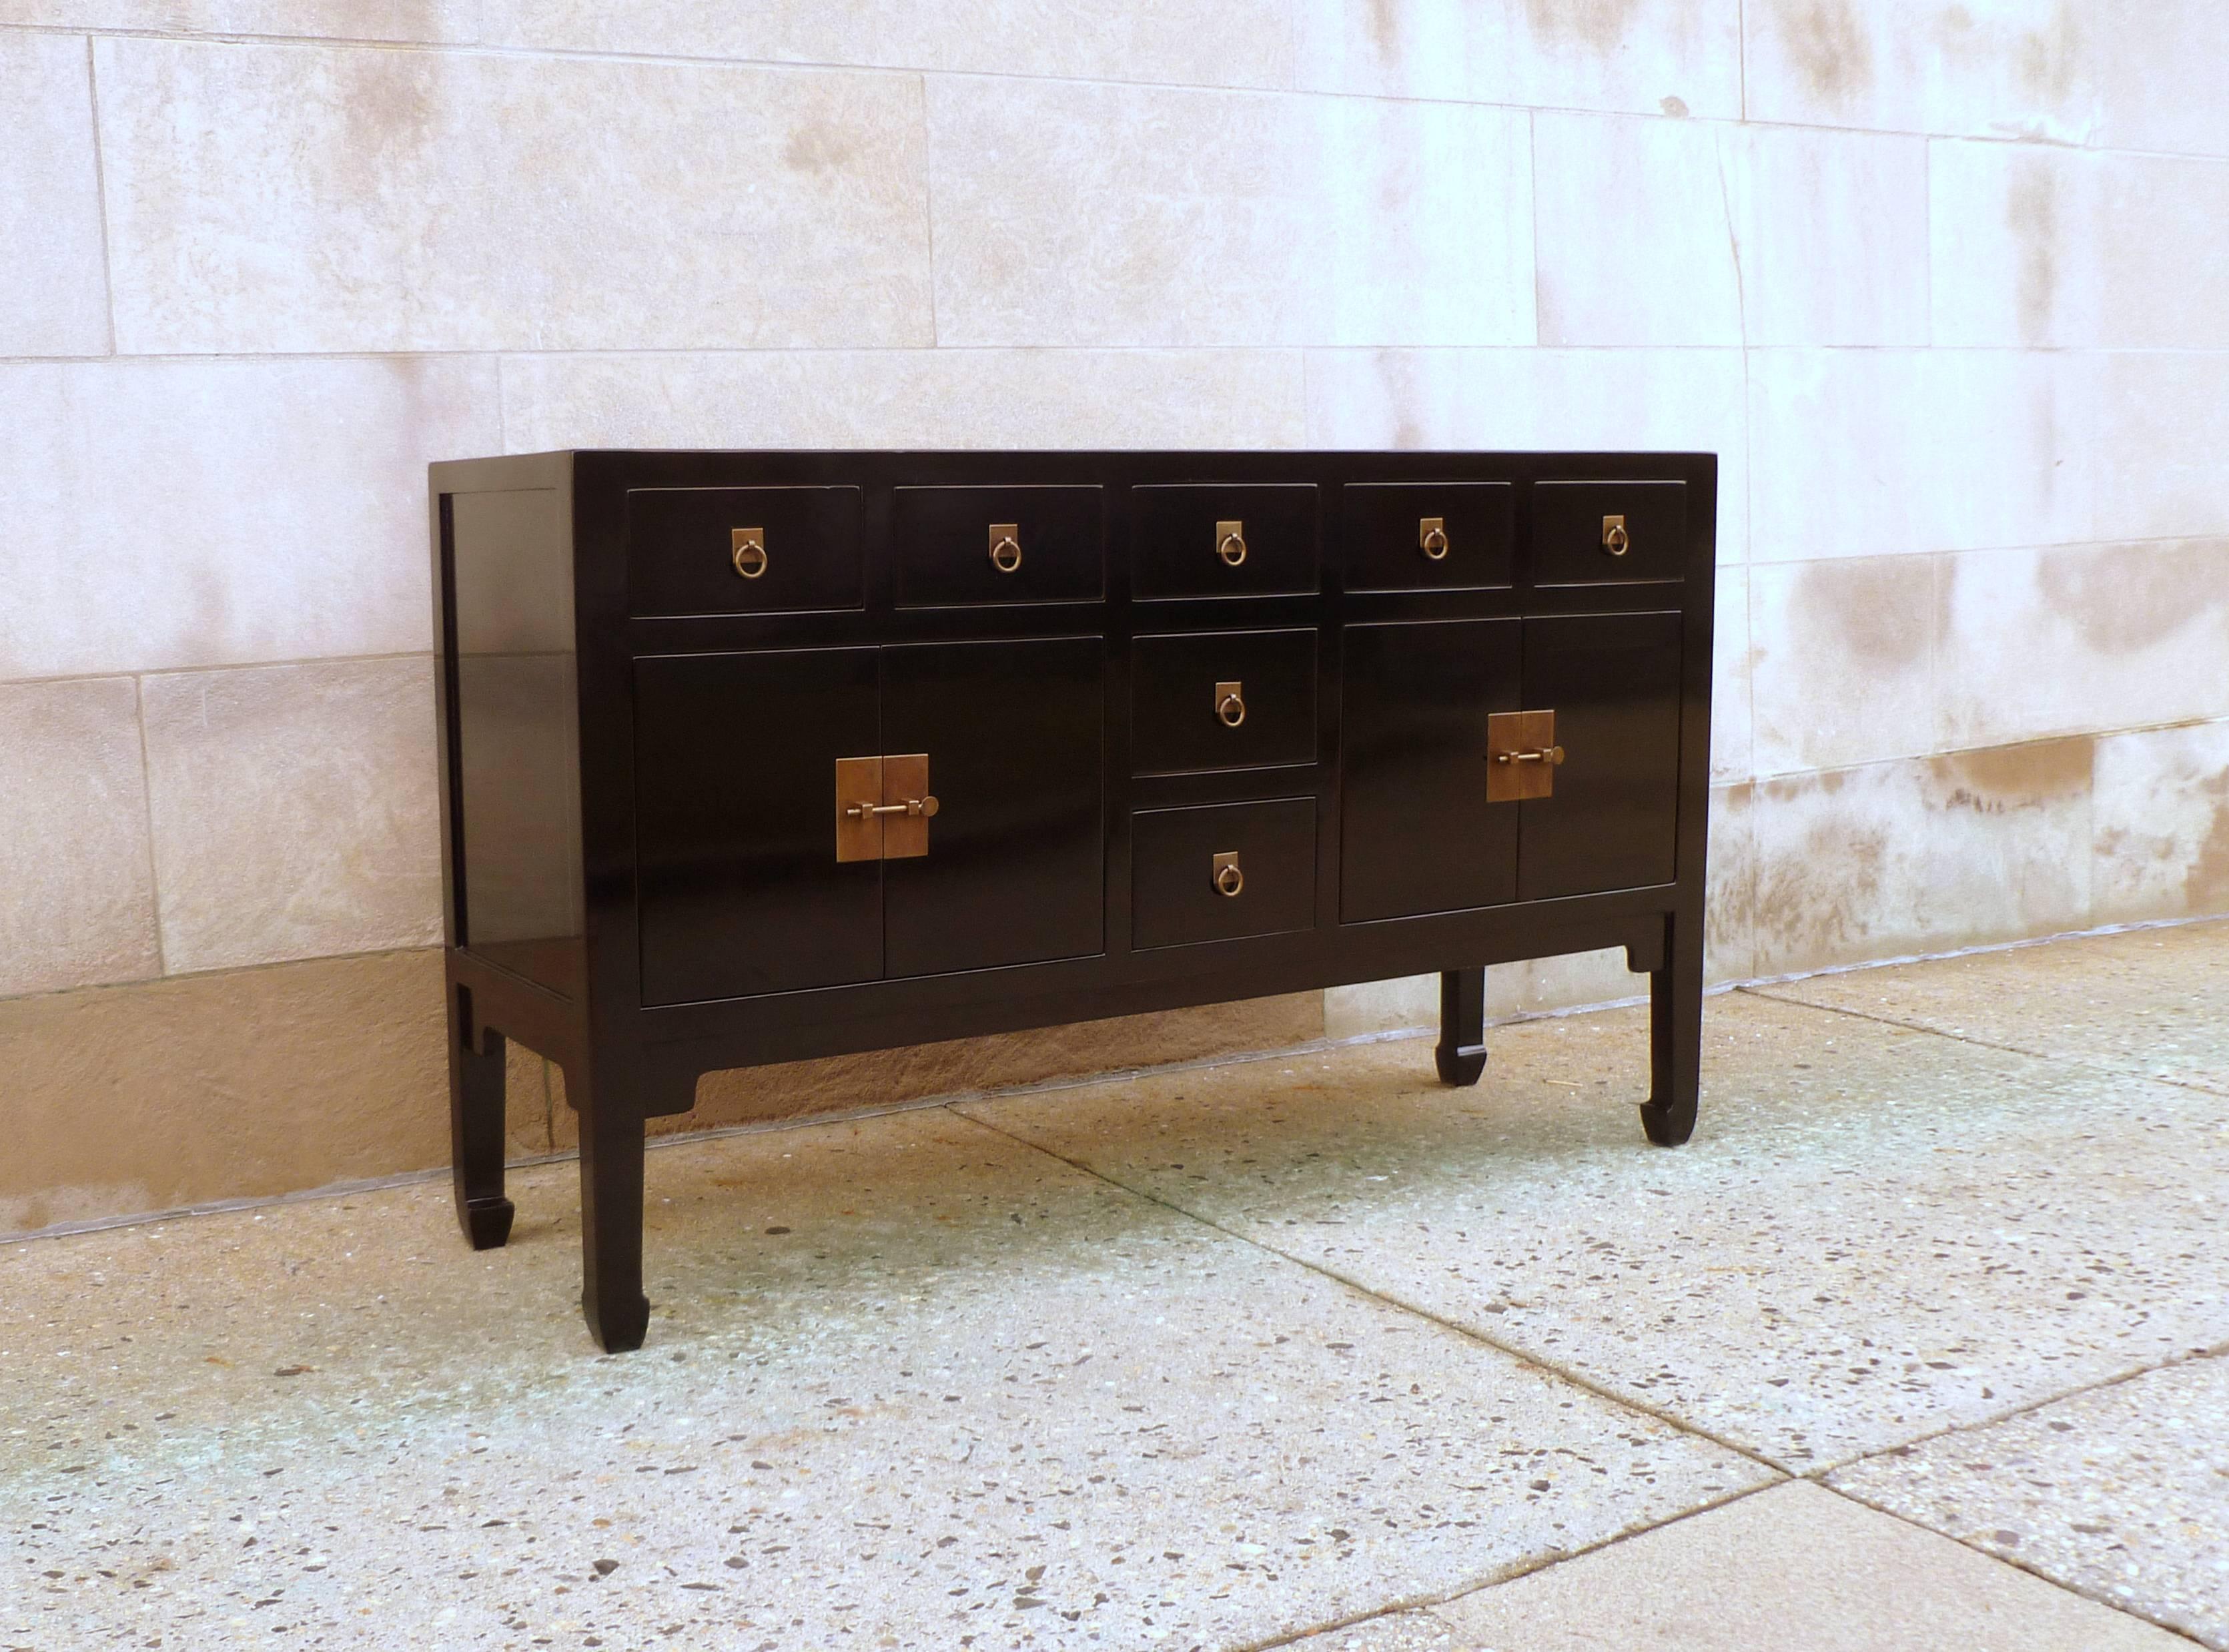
x: 909, y: 1384
x: 1876, y: 1233
x: 2121, y: 1492
x: 2145, y: 1000
x: 1792, y: 1567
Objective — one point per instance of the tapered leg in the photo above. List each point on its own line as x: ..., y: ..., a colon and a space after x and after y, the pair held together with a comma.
x: 1675, y: 1034
x: 611, y: 1211
x: 476, y: 1126
x: 1461, y: 1052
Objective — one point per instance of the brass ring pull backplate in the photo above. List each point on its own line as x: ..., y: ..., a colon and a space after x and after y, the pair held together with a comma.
x: 1006, y: 546
x: 1231, y: 542
x: 1230, y: 704
x: 1229, y: 880
x: 1615, y: 540
x: 747, y: 551
x: 1432, y: 537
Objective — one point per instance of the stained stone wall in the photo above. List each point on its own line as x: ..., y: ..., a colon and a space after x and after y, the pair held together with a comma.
x: 1945, y: 285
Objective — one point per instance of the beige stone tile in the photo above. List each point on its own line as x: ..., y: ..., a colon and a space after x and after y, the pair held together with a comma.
x: 1922, y: 855
x: 2013, y: 253
x: 921, y: 1329
x: 2164, y: 446
x: 1634, y: 244
x: 2077, y: 638
x: 2143, y: 1000
x: 229, y: 1085
x: 80, y: 902
x: 947, y: 398
x: 2160, y: 816
x: 159, y: 514
x: 410, y: 199
x: 2159, y: 75
x: 1674, y: 57
x: 1081, y: 215
x: 1862, y: 1245
x: 2165, y: 285
x: 1730, y: 911
x: 1190, y: 43
x: 2121, y: 1492
x: 1884, y: 452
x: 1732, y: 727
x: 451, y: 21
x: 1578, y: 400
x: 54, y: 284
x: 1844, y: 661
x: 1399, y: 1006
x: 1792, y: 1566
x: 2008, y: 68
x: 294, y: 810
x: 1831, y: 232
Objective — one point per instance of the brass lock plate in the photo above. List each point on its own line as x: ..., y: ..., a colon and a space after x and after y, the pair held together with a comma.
x: 883, y: 807
x: 858, y: 828
x: 1521, y: 754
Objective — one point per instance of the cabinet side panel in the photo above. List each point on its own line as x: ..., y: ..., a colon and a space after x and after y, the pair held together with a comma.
x: 516, y: 773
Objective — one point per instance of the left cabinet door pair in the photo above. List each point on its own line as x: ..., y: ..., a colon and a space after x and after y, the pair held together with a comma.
x: 738, y: 882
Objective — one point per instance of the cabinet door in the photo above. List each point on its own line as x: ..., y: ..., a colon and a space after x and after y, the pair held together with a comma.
x: 1015, y: 872
x: 739, y: 891
x: 1612, y: 681
x: 1417, y: 833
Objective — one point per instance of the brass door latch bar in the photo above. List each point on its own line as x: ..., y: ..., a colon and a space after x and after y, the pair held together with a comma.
x: 1521, y: 755
x: 883, y: 806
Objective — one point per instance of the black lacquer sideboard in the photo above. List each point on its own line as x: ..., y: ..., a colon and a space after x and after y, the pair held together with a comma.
x: 753, y: 756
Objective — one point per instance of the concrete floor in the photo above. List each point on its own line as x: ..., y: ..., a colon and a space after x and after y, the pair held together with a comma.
x: 1923, y: 1342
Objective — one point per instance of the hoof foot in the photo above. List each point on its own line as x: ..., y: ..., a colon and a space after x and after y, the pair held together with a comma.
x: 486, y: 1221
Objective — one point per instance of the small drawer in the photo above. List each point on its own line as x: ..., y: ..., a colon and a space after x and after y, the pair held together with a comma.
x: 1221, y: 699
x: 963, y: 545
x: 743, y: 549
x: 1219, y: 873
x: 1591, y: 533
x: 1428, y: 535
x: 1213, y: 539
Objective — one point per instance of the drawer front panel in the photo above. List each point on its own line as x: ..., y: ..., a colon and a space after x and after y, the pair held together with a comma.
x: 683, y: 550
x: 953, y: 549
x: 1612, y: 681
x: 1213, y: 539
x: 1177, y: 855
x: 1417, y: 833
x: 1428, y: 535
x: 1576, y: 527
x: 1227, y: 699
x: 740, y: 888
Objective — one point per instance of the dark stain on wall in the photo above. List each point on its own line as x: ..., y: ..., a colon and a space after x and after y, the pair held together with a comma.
x: 2206, y: 885
x: 1823, y: 899
x: 2127, y: 599
x: 2048, y: 59
x: 1828, y: 45
x: 2032, y: 212
x: 1877, y: 608
x: 819, y: 146
x: 2003, y: 780
x: 1599, y: 25
x: 1385, y: 28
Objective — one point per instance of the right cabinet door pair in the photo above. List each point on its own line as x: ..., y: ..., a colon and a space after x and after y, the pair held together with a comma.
x: 1418, y: 832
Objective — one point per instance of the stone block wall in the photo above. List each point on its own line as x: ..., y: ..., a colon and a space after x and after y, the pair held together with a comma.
x: 1945, y: 285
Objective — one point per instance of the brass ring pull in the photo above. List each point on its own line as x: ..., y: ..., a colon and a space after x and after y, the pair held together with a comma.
x: 1231, y: 542
x: 749, y: 552
x: 1005, y: 546
x: 1432, y: 538
x: 1615, y: 540
x: 1229, y: 880
x: 922, y: 808
x: 1550, y: 754
x: 1229, y: 705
